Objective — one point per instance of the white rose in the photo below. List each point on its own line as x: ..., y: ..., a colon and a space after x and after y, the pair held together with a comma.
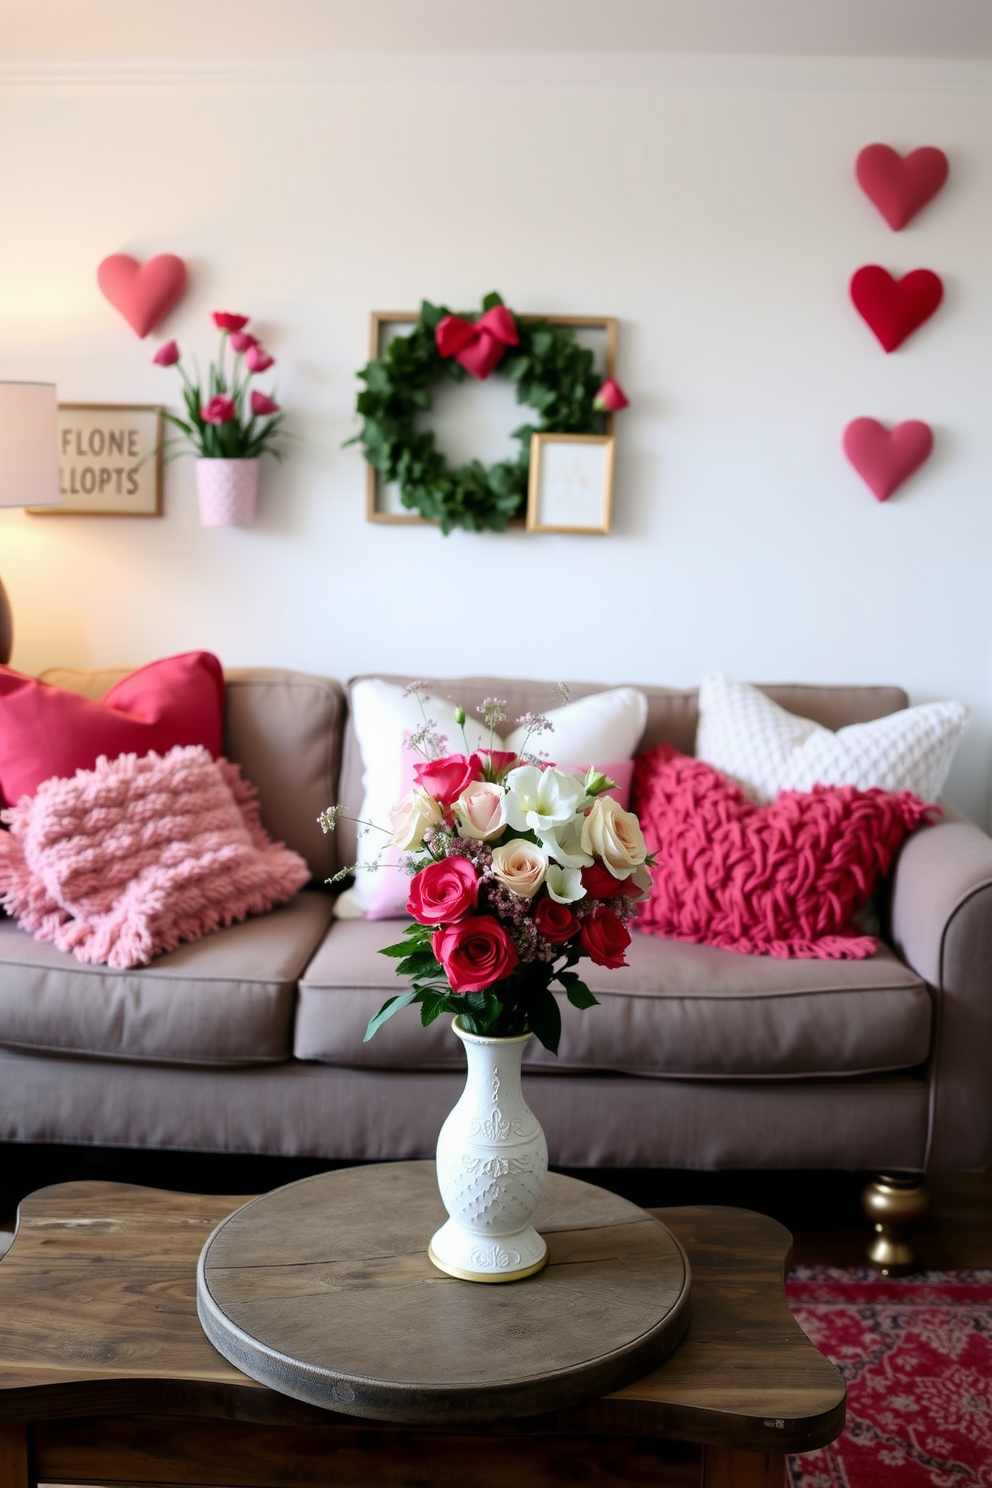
x: 411, y: 817
x: 481, y: 810
x: 520, y: 867
x: 614, y: 836
x: 540, y: 800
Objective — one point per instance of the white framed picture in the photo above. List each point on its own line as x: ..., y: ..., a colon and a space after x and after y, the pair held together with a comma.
x: 110, y: 461
x: 571, y: 483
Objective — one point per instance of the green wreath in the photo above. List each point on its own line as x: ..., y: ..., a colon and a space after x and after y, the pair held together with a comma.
x: 554, y: 375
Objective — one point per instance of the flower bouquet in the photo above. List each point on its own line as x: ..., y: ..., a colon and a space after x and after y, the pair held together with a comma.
x: 518, y: 870
x: 229, y: 424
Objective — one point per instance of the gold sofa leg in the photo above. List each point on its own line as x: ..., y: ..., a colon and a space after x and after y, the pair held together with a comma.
x: 895, y: 1205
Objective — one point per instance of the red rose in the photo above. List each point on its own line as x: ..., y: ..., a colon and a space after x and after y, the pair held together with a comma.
x: 257, y: 359
x: 262, y: 406
x: 443, y: 891
x: 555, y: 921
x: 475, y: 953
x: 241, y: 340
x: 445, y: 779
x: 610, y: 397
x: 599, y: 883
x: 500, y: 760
x: 605, y: 939
x: 225, y: 321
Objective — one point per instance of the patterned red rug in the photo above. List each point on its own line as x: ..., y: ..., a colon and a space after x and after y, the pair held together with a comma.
x: 917, y: 1357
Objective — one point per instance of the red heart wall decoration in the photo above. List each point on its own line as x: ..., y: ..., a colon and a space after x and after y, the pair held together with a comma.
x: 895, y: 308
x: 900, y: 186
x: 143, y: 293
x: 885, y: 458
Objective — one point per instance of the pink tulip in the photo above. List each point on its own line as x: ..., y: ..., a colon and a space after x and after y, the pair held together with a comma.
x: 225, y: 321
x: 242, y: 341
x: 262, y: 406
x: 257, y: 359
x: 610, y: 398
x: 167, y: 355
x: 220, y: 410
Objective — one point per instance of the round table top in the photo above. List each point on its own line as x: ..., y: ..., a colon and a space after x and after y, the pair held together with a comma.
x: 324, y: 1290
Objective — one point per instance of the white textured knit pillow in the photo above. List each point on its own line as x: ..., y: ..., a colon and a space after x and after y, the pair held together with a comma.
x: 602, y: 728
x: 766, y: 749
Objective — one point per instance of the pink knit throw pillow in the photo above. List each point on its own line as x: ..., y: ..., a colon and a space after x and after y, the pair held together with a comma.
x: 129, y: 859
x: 780, y: 880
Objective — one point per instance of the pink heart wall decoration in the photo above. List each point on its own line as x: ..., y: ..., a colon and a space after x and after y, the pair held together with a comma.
x: 143, y: 293
x: 885, y: 458
x: 895, y: 308
x: 900, y: 186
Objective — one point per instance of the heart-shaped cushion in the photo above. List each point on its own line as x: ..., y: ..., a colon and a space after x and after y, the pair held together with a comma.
x: 900, y: 186
x: 885, y: 458
x: 144, y: 293
x: 895, y: 308
x: 782, y: 880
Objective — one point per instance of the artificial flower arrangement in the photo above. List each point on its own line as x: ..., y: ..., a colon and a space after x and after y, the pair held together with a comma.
x: 518, y: 870
x: 228, y: 419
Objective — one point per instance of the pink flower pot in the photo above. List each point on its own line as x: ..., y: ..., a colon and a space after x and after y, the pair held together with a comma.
x: 227, y: 492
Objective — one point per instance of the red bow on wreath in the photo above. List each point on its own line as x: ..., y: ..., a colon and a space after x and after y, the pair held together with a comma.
x: 477, y: 345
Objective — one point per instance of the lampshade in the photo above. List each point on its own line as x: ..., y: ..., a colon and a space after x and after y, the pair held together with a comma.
x: 29, y: 462
x: 29, y: 449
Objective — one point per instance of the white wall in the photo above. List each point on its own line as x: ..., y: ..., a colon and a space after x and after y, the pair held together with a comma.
x: 711, y: 206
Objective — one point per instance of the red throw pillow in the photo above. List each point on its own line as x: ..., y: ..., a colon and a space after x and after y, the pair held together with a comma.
x: 47, y: 731
x: 780, y: 880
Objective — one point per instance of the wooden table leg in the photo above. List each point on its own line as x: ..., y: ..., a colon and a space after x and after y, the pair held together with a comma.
x: 725, y: 1467
x: 15, y: 1468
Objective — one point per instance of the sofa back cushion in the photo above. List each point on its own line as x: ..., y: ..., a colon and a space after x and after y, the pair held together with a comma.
x: 672, y: 717
x: 284, y: 729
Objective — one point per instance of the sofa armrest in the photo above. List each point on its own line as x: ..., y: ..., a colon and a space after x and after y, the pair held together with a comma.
x: 941, y: 920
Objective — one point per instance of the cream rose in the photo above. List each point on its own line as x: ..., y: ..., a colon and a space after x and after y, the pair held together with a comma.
x: 411, y: 817
x: 481, y: 810
x: 520, y: 867
x: 613, y: 836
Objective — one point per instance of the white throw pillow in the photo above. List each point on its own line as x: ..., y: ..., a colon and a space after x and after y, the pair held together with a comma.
x: 601, y: 728
x: 766, y: 749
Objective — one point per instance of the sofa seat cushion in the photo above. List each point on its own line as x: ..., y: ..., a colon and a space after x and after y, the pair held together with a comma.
x: 224, y: 1000
x: 677, y: 1010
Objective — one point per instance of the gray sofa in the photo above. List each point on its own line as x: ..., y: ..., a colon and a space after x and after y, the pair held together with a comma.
x: 250, y: 1041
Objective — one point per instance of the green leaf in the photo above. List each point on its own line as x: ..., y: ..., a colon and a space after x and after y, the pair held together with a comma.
x: 394, y: 950
x: 579, y: 995
x: 432, y: 1007
x: 544, y: 1019
x: 394, y: 1005
x: 491, y: 300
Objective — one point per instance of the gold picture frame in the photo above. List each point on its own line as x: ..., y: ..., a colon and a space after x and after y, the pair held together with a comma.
x: 110, y: 461
x: 571, y: 483
x: 608, y: 325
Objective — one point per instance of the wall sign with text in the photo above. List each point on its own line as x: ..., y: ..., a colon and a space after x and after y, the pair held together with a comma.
x: 110, y: 461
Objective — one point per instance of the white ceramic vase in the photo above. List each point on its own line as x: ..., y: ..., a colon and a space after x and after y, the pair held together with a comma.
x: 227, y: 492
x: 491, y: 1164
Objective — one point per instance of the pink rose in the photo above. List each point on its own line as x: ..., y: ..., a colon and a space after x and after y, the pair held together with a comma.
x: 605, y: 938
x: 445, y: 779
x: 225, y: 321
x: 480, y: 810
x: 611, y: 397
x: 167, y: 355
x: 475, y: 953
x: 554, y: 921
x: 241, y: 341
x: 257, y: 359
x: 262, y: 406
x: 443, y: 891
x: 220, y: 410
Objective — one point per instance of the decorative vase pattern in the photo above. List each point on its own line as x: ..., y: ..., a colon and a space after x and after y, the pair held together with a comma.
x: 492, y: 1159
x: 227, y: 492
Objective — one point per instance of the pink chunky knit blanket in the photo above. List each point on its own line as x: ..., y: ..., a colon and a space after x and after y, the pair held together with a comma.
x: 129, y: 859
x: 781, y: 880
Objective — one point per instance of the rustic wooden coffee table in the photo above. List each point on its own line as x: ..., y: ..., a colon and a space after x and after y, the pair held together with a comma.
x: 107, y: 1377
